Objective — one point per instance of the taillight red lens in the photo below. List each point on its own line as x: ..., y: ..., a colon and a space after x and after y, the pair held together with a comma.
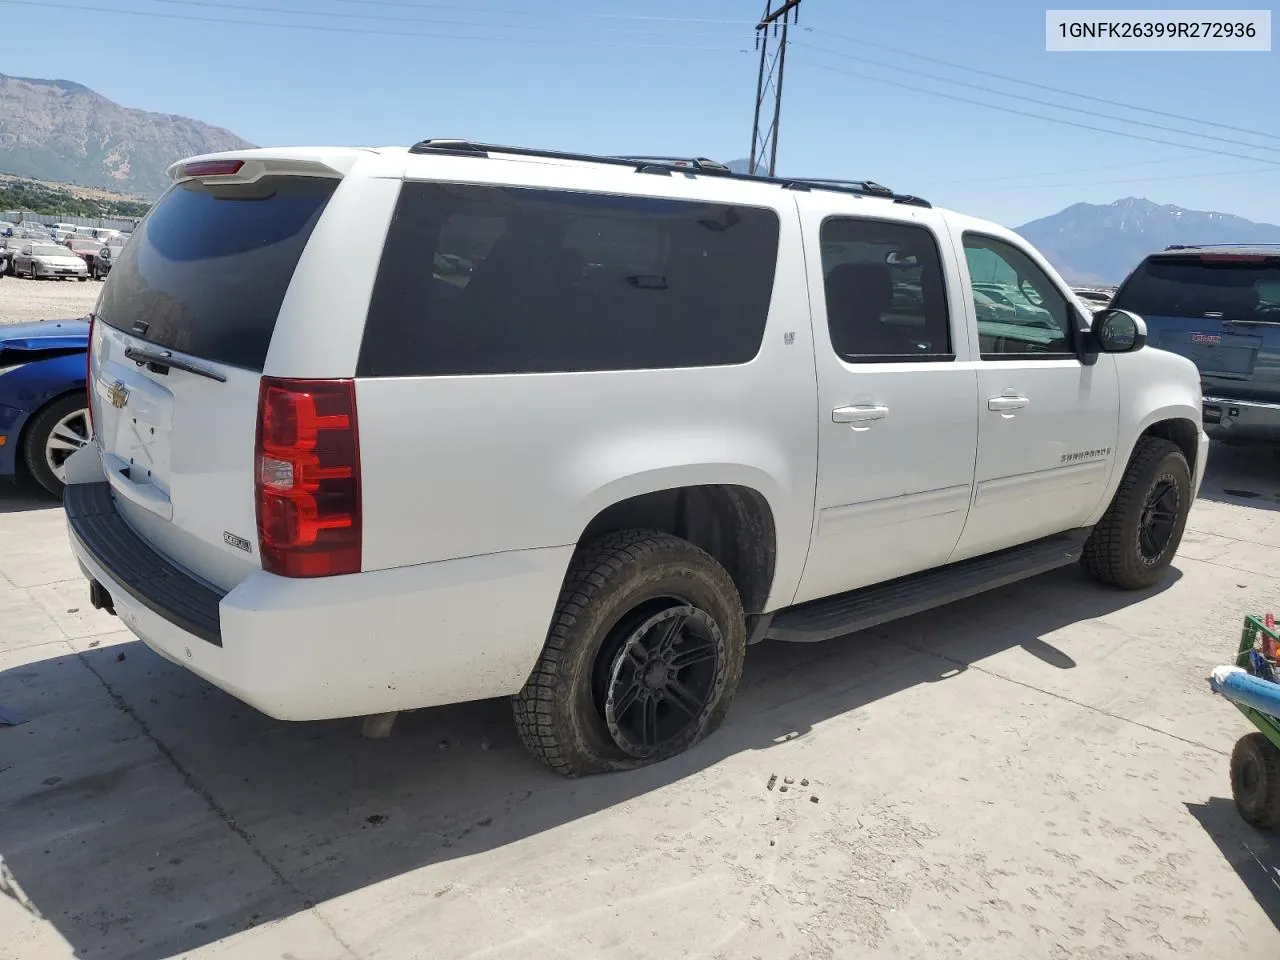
x: 307, y: 477
x: 88, y: 374
x: 212, y: 168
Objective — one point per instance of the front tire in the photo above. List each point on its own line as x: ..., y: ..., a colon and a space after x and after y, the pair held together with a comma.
x: 56, y: 432
x: 642, y: 660
x: 1136, y: 539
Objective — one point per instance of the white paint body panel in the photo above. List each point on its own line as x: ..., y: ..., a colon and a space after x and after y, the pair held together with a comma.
x: 893, y: 493
x: 476, y: 488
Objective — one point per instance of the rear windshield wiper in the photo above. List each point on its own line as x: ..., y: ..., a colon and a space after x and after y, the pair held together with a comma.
x: 1254, y: 323
x: 159, y: 361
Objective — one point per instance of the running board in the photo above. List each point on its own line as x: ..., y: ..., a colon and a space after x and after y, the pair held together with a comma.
x: 871, y: 606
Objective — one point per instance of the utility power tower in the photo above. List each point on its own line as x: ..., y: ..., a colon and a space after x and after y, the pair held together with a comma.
x: 773, y: 61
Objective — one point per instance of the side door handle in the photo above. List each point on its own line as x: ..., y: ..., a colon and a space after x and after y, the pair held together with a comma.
x: 1005, y: 403
x: 859, y: 414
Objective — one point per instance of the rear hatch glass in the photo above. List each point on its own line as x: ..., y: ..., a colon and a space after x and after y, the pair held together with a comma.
x: 1221, y: 310
x: 207, y: 270
x: 205, y: 274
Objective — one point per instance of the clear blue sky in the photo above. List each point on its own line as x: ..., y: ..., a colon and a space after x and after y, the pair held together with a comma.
x: 586, y: 75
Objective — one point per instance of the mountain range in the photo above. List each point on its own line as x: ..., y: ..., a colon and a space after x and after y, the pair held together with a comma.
x: 60, y: 130
x: 1100, y: 243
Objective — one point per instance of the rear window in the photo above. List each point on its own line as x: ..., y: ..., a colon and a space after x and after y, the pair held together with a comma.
x: 1194, y: 287
x: 486, y: 280
x: 207, y: 270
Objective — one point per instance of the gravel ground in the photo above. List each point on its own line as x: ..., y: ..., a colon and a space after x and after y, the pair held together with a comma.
x: 22, y: 300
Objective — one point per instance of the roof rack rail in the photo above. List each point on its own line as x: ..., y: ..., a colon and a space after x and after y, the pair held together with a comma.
x: 667, y: 165
x: 698, y: 163
x: 870, y: 186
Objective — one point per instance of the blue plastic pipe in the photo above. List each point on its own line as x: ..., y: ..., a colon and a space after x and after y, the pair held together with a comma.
x: 1240, y: 687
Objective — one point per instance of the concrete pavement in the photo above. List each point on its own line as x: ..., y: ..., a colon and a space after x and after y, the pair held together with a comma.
x: 1037, y: 773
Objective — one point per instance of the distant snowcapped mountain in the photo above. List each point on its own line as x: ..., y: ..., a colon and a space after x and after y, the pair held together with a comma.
x: 1094, y: 243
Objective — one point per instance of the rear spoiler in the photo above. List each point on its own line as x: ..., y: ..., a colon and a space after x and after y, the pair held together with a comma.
x: 224, y: 168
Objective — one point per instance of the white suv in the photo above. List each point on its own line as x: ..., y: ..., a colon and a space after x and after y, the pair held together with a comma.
x: 385, y: 429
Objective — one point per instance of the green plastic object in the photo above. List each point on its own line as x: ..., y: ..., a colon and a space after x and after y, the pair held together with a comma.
x: 1269, y: 726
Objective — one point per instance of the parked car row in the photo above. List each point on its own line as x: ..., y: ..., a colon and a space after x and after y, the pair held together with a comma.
x: 45, y: 258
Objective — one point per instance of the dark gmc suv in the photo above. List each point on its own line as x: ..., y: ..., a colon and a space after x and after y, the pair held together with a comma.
x: 1219, y: 306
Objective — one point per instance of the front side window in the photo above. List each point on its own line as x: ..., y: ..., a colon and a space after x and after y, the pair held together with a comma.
x: 497, y: 280
x: 1020, y: 311
x: 885, y: 294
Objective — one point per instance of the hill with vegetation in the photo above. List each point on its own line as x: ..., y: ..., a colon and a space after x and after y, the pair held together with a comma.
x: 30, y: 196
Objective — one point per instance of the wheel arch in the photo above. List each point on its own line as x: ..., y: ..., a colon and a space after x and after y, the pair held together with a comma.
x: 1175, y: 422
x: 1179, y: 430
x: 732, y: 522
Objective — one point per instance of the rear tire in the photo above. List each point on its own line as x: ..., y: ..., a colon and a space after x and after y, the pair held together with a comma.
x: 642, y: 660
x: 1255, y: 780
x: 42, y: 442
x: 1136, y: 539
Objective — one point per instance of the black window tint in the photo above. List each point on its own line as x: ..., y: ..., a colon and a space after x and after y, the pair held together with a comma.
x: 208, y: 268
x: 541, y: 281
x: 1237, y: 289
x: 1020, y: 311
x: 885, y: 293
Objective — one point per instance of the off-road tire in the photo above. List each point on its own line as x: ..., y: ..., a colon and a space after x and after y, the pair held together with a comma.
x: 37, y: 434
x: 556, y: 714
x: 1111, y: 554
x: 1255, y: 780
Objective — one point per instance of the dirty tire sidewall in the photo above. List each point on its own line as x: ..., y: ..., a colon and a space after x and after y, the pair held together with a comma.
x: 1255, y: 780
x: 1111, y: 554
x: 556, y: 713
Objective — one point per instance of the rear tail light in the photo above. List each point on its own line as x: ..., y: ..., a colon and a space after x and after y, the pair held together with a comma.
x: 307, y: 477
x: 88, y: 373
x: 212, y: 168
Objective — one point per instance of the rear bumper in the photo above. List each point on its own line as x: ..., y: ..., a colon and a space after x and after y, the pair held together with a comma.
x: 1227, y: 419
x: 312, y: 649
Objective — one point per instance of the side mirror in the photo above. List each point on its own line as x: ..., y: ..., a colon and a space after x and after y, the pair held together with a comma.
x: 1119, y: 331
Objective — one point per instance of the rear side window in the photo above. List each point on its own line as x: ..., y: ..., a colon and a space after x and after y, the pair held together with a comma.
x: 885, y: 293
x: 1223, y: 286
x: 487, y: 280
x: 206, y: 271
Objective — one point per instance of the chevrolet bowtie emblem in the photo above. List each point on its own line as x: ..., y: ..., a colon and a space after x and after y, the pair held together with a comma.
x: 118, y: 394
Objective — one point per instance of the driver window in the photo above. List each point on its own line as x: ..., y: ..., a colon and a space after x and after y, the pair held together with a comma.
x: 1021, y: 313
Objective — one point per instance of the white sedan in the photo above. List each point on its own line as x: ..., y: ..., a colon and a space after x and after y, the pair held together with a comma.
x: 41, y: 261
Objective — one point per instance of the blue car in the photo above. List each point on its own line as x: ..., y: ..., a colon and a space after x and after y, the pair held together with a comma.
x: 43, y: 410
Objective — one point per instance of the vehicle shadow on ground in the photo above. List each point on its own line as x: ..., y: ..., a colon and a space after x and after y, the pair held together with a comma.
x: 1253, y: 854
x: 238, y: 820
x: 23, y: 495
x: 1242, y: 475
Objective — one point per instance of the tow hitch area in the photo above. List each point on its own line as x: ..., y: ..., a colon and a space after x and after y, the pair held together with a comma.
x: 99, y: 598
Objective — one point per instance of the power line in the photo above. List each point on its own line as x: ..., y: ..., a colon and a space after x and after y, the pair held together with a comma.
x: 1067, y: 173
x: 430, y: 21
x: 542, y: 12
x: 1042, y: 86
x: 1037, y: 100
x: 1038, y: 116
x: 1107, y: 183
x: 46, y: 4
